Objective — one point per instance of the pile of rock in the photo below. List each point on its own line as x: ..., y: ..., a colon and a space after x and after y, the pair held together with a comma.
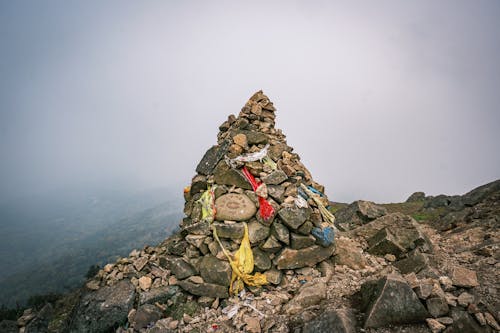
x: 282, y: 241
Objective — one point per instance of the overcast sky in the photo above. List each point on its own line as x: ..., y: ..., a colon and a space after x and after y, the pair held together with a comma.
x: 380, y: 98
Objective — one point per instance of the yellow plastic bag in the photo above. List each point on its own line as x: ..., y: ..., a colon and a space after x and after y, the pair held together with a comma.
x: 207, y: 202
x: 242, y: 265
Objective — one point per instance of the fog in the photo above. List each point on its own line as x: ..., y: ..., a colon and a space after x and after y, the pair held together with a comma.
x: 380, y: 99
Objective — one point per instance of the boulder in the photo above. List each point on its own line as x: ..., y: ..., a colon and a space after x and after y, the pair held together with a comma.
x: 180, y: 268
x: 416, y: 196
x: 211, y: 158
x: 257, y: 232
x: 463, y: 322
x: 335, y: 321
x: 230, y: 230
x: 414, y: 262
x: 216, y: 271
x: 300, y: 241
x: 348, y: 252
x: 225, y: 175
x: 437, y: 306
x: 204, y: 289
x: 275, y: 178
x: 293, y: 216
x: 357, y: 214
x: 110, y: 304
x: 160, y: 294
x: 309, y: 294
x: 146, y: 315
x: 261, y: 260
x: 390, y: 300
x: 234, y: 207
x: 281, y: 233
x: 291, y: 259
x: 463, y: 277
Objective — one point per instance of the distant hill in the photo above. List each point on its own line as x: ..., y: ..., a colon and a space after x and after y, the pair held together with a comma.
x: 49, y: 246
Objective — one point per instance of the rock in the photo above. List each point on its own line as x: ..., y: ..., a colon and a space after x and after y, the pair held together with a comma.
x: 180, y: 268
x: 261, y: 260
x: 261, y: 191
x: 213, y: 270
x: 335, y: 321
x: 445, y: 320
x: 348, y: 252
x: 299, y: 241
x: 198, y: 184
x: 160, y: 294
x: 463, y: 277
x: 480, y: 318
x: 140, y: 262
x: 407, y: 232
x: 446, y: 283
x: 271, y: 245
x: 230, y: 230
x: 414, y: 262
x: 390, y: 300
x: 463, y: 322
x: 291, y: 259
x: 234, y: 207
x: 240, y: 140
x: 111, y: 304
x: 257, y: 232
x: 273, y: 276
x: 424, y: 289
x: 435, y: 325
x: 211, y: 158
x: 275, y: 178
x: 225, y: 175
x: 306, y: 228
x: 277, y: 192
x: 281, y: 232
x: 196, y: 240
x: 145, y: 316
x: 437, y: 306
x: 254, y: 137
x: 145, y: 282
x: 309, y: 294
x: 384, y: 242
x: 358, y: 213
x: 464, y: 299
x: 253, y: 324
x: 416, y: 196
x: 293, y: 216
x: 205, y: 289
x: 490, y: 320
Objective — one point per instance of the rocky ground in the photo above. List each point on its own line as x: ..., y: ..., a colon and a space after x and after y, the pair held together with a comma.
x: 427, y: 265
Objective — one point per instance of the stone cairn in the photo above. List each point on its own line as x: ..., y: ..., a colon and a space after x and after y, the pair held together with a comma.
x: 284, y: 211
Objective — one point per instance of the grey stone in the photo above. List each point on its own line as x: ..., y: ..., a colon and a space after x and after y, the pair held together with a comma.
x: 291, y: 259
x: 463, y: 322
x: 309, y: 294
x: 213, y: 270
x: 275, y: 178
x: 414, y: 262
x: 255, y: 137
x: 180, y: 268
x: 358, y: 213
x: 334, y: 321
x: 437, y: 306
x: 230, y: 230
x: 293, y: 216
x: 234, y: 207
x: 261, y: 260
x: 274, y: 276
x: 110, y: 304
x: 160, y: 294
x: 384, y: 242
x: 300, y: 241
x: 463, y: 277
x: 277, y: 192
x: 211, y: 158
x: 281, y: 232
x: 271, y: 245
x: 305, y: 228
x: 416, y: 196
x: 204, y: 289
x: 225, y: 175
x: 198, y: 184
x: 146, y: 315
x: 390, y: 300
x: 257, y: 232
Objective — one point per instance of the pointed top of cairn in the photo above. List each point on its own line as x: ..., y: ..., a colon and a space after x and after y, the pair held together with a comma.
x: 250, y: 190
